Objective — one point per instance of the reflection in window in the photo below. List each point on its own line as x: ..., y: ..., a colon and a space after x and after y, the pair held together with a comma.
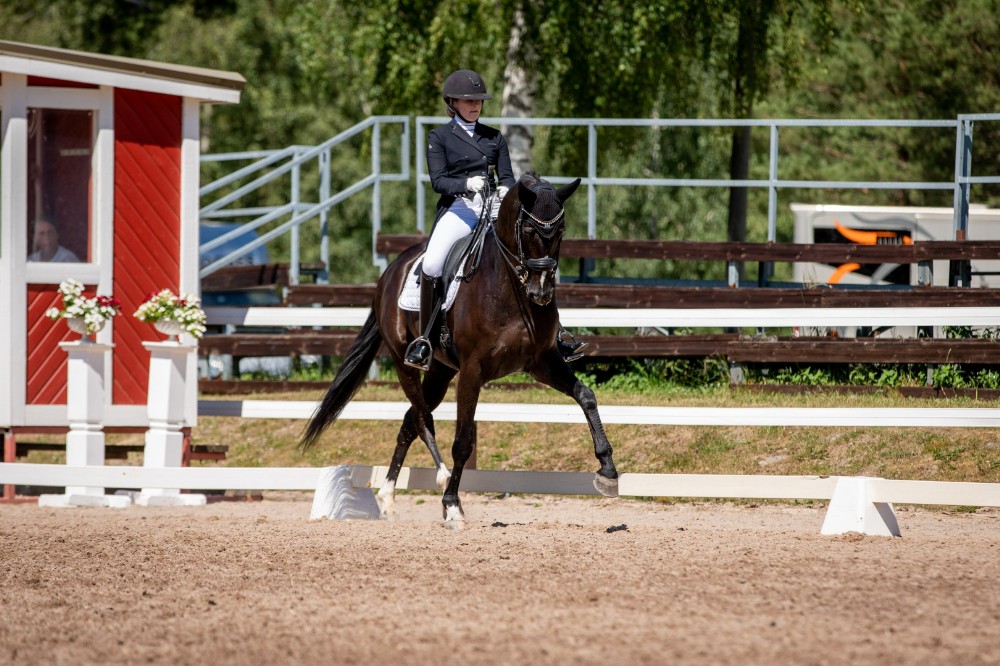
x: 60, y: 143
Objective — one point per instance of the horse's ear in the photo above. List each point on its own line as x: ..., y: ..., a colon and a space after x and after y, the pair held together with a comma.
x: 566, y: 191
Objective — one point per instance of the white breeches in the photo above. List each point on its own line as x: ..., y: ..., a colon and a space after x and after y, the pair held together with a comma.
x: 458, y: 222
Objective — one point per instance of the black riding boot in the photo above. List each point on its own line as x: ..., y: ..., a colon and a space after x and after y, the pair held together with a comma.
x: 418, y: 353
x: 570, y: 348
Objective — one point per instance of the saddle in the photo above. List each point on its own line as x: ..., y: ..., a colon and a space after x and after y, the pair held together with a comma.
x: 455, y: 272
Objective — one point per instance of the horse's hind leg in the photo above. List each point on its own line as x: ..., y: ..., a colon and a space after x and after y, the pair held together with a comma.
x: 556, y: 373
x: 386, y: 497
x: 418, y: 421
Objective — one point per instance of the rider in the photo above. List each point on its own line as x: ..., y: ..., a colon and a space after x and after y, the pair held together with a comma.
x: 460, y: 156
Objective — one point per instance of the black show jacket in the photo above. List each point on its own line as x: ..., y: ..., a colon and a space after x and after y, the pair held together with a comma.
x: 453, y: 157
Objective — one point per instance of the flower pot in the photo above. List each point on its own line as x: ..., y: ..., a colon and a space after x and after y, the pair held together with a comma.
x: 79, y: 325
x: 169, y: 327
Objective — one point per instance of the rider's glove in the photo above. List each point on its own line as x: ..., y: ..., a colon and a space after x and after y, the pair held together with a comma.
x: 502, y: 191
x: 475, y: 184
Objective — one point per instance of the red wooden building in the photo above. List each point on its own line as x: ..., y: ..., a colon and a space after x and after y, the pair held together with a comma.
x: 102, y: 154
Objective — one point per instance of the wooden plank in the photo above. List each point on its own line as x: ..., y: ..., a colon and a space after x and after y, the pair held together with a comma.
x: 589, y: 295
x: 955, y: 493
x: 583, y: 295
x: 572, y: 483
x: 864, y: 350
x: 746, y: 486
x: 832, y: 253
x: 659, y: 345
x: 323, y: 343
x: 808, y: 349
x: 331, y: 295
x: 229, y: 278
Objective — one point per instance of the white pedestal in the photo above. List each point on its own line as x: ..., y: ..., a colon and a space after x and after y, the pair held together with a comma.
x: 852, y: 510
x: 85, y: 410
x: 336, y: 497
x: 168, y: 365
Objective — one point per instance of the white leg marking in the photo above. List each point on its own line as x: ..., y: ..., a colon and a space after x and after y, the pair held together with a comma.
x: 454, y: 518
x: 443, y: 476
x: 386, y: 499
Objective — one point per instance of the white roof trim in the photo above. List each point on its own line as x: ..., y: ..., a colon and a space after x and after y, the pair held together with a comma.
x: 81, y: 74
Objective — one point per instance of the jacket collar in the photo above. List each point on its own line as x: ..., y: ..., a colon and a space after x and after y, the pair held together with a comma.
x: 471, y: 140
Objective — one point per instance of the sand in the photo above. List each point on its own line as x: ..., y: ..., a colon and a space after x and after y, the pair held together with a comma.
x: 536, y: 580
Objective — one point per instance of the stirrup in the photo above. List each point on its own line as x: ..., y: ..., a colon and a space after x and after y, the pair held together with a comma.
x: 418, y: 354
x: 571, y: 349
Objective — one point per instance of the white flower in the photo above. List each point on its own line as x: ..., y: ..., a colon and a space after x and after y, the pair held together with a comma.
x: 93, y: 311
x: 165, y: 306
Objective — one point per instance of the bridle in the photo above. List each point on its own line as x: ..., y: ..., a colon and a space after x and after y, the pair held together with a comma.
x: 520, y: 263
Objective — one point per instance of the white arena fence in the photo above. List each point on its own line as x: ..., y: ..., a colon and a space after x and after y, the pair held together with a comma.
x: 652, y: 317
x: 856, y: 503
x: 872, y: 491
x: 725, y: 486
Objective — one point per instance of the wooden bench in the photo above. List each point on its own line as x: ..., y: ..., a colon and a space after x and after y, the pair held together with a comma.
x: 732, y: 346
x: 736, y: 349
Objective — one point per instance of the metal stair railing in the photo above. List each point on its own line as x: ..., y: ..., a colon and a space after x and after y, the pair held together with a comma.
x: 291, y: 161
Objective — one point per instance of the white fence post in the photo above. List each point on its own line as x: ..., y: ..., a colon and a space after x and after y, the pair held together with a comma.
x: 85, y: 396
x: 165, y: 406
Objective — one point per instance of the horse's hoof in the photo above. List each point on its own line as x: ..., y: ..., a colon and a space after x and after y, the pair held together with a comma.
x: 454, y: 517
x: 386, y: 507
x: 605, y: 486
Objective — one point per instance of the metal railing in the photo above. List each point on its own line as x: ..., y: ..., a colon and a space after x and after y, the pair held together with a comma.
x: 293, y: 158
x: 269, y: 166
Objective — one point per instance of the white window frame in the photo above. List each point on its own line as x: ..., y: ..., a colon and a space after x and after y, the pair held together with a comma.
x: 16, y: 97
x: 100, y: 101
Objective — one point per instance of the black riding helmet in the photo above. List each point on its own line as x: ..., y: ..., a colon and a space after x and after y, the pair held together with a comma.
x: 464, y: 84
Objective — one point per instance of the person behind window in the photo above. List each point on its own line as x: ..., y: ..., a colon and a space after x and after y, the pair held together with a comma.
x: 47, y: 247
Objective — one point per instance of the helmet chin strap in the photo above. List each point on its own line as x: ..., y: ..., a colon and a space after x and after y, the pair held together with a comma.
x: 451, y: 107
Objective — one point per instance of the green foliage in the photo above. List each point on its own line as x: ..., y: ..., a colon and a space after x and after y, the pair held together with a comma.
x: 634, y: 375
x: 316, y: 67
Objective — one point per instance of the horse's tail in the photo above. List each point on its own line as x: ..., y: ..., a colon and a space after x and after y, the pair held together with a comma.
x: 347, y: 381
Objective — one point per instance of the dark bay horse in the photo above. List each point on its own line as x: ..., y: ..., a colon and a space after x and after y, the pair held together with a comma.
x: 504, y: 320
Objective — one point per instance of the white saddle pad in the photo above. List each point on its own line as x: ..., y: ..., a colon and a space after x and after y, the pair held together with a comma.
x: 409, y: 298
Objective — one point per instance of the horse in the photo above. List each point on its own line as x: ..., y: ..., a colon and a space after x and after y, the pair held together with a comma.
x: 504, y: 320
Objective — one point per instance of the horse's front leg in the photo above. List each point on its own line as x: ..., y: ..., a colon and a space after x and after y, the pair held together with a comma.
x: 467, y: 396
x: 555, y: 372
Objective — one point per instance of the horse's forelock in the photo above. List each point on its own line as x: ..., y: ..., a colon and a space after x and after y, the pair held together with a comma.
x: 541, y: 200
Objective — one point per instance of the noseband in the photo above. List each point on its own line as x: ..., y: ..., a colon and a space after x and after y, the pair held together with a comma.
x: 523, y: 265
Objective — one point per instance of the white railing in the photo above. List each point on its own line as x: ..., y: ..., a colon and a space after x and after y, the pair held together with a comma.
x: 271, y: 165
x: 652, y: 317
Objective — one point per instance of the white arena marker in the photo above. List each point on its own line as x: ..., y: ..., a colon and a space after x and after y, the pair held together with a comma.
x: 852, y: 510
x: 337, y: 498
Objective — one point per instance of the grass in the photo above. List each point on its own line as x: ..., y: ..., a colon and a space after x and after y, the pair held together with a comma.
x: 903, y: 453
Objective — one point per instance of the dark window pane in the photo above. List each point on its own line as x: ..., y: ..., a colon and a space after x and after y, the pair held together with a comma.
x: 60, y: 147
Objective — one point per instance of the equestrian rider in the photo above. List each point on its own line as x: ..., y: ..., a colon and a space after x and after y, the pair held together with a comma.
x: 460, y: 156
